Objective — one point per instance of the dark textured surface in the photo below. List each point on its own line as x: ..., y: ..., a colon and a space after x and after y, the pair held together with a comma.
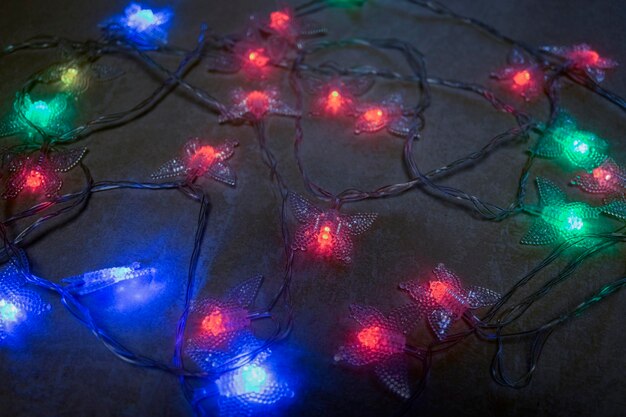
x: 59, y: 369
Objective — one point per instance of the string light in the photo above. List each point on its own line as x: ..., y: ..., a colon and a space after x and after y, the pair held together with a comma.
x: 328, y: 234
x: 380, y: 342
x: 444, y: 299
x: 16, y: 302
x: 522, y: 77
x: 49, y: 116
x: 220, y: 327
x: 389, y: 114
x: 255, y: 105
x: 93, y: 281
x: 582, y: 57
x: 143, y: 27
x: 608, y: 178
x: 200, y: 159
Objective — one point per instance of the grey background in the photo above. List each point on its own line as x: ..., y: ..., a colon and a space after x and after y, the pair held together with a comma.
x: 55, y: 367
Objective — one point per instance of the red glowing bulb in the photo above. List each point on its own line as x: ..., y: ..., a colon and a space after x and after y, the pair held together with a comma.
x: 214, y: 323
x: 373, y: 116
x: 258, y: 58
x: 522, y: 78
x: 257, y: 103
x: 325, y: 238
x: 204, y: 156
x: 334, y: 102
x: 34, y: 179
x: 438, y: 290
x: 279, y: 21
x: 370, y: 337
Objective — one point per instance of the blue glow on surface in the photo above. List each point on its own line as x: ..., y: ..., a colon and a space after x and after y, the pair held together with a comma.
x: 252, y: 378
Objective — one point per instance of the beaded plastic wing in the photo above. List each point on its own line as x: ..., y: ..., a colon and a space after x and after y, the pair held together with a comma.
x: 48, y: 116
x: 380, y: 342
x: 521, y: 76
x: 327, y: 233
x: 248, y: 389
x: 608, y: 178
x: 560, y: 219
x: 16, y: 302
x: 220, y: 328
x: 200, y: 159
x: 38, y: 173
x: 563, y: 139
x: 388, y: 114
x: 582, y: 57
x: 255, y: 105
x: 445, y: 301
x: 93, y: 281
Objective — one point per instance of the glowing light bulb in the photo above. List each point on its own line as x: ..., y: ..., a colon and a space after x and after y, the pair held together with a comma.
x: 258, y: 103
x: 8, y: 311
x: 143, y: 19
x: 522, y: 78
x: 279, y: 21
x: 214, y: 323
x: 370, y: 337
x: 438, y: 290
x: 574, y: 222
x: 69, y: 76
x: 373, y: 116
x: 334, y: 103
x: 253, y: 378
x: 325, y: 238
x: 580, y: 146
x: 258, y: 58
x: 39, y: 113
x: 204, y: 156
x: 34, y: 179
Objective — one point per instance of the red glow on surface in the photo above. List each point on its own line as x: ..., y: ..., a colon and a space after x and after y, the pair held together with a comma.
x: 438, y: 290
x: 214, y: 323
x: 258, y: 58
x: 374, y: 116
x: 522, y: 78
x: 279, y: 21
x: 34, y: 179
x: 325, y: 238
x: 204, y: 156
x: 588, y: 57
x: 334, y: 102
x: 258, y: 103
x: 371, y: 336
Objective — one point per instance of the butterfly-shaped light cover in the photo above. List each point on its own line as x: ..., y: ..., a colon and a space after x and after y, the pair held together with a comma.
x: 16, y: 302
x: 250, y: 388
x: 582, y: 57
x: 283, y: 24
x: 201, y: 159
x: 327, y: 233
x: 38, y: 174
x: 373, y: 117
x: 608, y: 178
x: 73, y: 78
x: 49, y: 116
x: 521, y: 77
x: 563, y: 139
x: 144, y: 27
x: 93, y: 281
x: 220, y: 327
x: 444, y: 299
x: 558, y: 218
x: 380, y: 341
x: 255, y: 105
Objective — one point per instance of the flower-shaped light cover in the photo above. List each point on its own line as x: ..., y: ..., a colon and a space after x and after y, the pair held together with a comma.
x: 93, y: 281
x: 251, y: 55
x: 336, y: 97
x: 200, y: 159
x: 49, y: 116
x: 16, y: 302
x: 522, y: 77
x: 327, y: 233
x: 582, y: 57
x: 220, y: 327
x: 563, y: 139
x: 444, y: 299
x: 380, y: 342
x: 373, y: 117
x: 608, y: 178
x: 255, y: 105
x: 143, y: 27
x: 250, y: 388
x: 560, y: 219
x: 38, y: 174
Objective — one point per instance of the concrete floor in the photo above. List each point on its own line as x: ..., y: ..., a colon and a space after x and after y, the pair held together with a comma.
x: 55, y: 367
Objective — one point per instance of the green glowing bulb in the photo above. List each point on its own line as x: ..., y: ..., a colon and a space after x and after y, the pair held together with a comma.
x: 43, y: 114
x: 38, y: 113
x: 580, y: 147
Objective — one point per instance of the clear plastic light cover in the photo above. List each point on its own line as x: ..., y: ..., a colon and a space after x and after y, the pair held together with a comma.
x: 380, y: 342
x: 522, y: 76
x: 444, y: 300
x: 47, y: 115
x: 220, y: 327
x: 93, y: 281
x: 255, y: 105
x: 608, y: 178
x: 388, y: 114
x: 327, y: 233
x: 582, y: 57
x: 201, y: 159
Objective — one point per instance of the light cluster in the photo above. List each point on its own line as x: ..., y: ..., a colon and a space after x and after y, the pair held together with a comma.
x: 329, y: 233
x: 201, y: 159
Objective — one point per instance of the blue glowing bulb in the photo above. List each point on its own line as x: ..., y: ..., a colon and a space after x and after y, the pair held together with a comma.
x: 8, y: 311
x: 142, y: 20
x: 253, y: 378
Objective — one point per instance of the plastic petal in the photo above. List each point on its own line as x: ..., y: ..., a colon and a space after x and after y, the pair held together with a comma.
x: 393, y: 373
